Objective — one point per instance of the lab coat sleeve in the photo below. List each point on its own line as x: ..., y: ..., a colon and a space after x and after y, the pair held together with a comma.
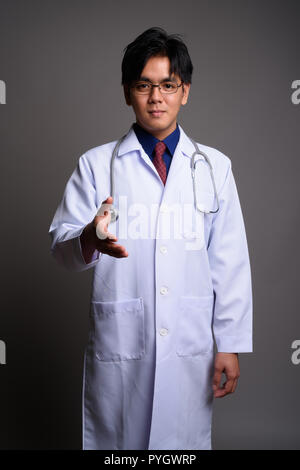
x: 231, y: 274
x: 75, y: 211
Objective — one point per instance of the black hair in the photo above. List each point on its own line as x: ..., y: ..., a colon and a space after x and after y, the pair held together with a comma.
x: 156, y: 42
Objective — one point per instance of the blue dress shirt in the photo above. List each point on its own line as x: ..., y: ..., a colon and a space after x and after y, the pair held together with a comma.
x: 148, y: 142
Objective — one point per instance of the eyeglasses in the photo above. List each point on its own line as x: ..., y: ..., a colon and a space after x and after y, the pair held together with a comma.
x: 145, y: 88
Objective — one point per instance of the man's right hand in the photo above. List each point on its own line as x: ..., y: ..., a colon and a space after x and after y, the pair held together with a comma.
x: 90, y: 242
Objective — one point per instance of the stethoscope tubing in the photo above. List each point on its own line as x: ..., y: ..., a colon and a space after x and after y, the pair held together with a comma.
x: 114, y: 211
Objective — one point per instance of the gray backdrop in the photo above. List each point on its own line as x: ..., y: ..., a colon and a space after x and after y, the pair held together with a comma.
x: 60, y: 60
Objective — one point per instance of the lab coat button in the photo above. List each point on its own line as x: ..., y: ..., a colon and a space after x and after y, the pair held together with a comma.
x: 163, y: 331
x: 163, y: 290
x: 163, y: 249
x: 163, y: 209
x: 187, y: 234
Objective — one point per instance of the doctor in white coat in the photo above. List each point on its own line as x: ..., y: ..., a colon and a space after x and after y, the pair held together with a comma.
x: 170, y: 281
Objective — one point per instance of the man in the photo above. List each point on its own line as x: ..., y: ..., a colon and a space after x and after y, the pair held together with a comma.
x: 162, y: 290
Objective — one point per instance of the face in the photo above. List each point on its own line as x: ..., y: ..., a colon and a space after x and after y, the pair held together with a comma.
x: 157, y: 112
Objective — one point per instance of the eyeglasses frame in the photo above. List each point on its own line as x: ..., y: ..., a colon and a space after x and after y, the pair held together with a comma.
x: 159, y: 85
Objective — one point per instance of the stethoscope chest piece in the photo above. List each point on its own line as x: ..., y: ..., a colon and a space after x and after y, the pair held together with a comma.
x: 114, y: 214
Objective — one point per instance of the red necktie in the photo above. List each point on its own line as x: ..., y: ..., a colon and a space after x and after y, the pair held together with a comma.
x: 158, y: 160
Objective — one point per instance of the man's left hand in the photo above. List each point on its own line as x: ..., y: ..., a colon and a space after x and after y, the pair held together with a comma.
x: 227, y: 363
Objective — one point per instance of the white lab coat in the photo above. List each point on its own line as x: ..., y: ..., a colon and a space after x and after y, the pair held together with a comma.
x: 148, y: 364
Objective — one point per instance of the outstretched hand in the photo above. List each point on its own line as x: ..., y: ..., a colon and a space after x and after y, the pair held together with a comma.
x: 105, y: 242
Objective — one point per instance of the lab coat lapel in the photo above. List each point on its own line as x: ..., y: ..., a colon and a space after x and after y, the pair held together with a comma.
x: 183, y: 150
x: 131, y: 144
x: 175, y: 181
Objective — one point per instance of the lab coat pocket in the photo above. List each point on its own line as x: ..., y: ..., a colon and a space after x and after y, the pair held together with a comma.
x: 194, y: 329
x: 119, y: 330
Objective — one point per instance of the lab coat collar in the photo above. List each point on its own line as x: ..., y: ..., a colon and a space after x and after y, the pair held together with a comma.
x: 131, y: 143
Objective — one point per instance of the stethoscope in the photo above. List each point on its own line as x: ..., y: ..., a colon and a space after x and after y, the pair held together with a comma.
x: 114, y: 211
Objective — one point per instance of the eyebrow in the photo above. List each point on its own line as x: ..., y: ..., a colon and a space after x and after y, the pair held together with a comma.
x: 167, y: 79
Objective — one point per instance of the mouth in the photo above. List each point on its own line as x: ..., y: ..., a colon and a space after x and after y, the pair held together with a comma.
x: 156, y: 113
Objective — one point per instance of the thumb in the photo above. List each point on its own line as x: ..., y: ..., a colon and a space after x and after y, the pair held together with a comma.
x: 108, y: 200
x: 104, y: 210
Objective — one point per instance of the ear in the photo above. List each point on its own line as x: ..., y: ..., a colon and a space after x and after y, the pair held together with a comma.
x: 127, y: 94
x: 186, y: 90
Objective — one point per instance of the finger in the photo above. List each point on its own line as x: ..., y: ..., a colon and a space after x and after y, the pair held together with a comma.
x: 217, y: 379
x: 109, y: 236
x: 103, y: 233
x: 104, y: 211
x: 117, y: 253
x: 108, y: 247
x: 234, y: 385
x: 226, y: 389
x: 112, y: 237
x: 102, y: 221
x: 108, y: 200
x: 228, y: 386
x: 113, y: 247
x: 221, y: 392
x: 105, y: 207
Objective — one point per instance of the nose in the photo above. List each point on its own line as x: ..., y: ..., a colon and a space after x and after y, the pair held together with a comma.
x: 155, y: 95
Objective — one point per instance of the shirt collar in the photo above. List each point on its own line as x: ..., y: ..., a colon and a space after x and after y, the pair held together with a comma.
x: 148, y: 141
x: 131, y: 143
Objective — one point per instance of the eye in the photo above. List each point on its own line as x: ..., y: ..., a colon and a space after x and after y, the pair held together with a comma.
x: 169, y: 86
x: 142, y: 86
